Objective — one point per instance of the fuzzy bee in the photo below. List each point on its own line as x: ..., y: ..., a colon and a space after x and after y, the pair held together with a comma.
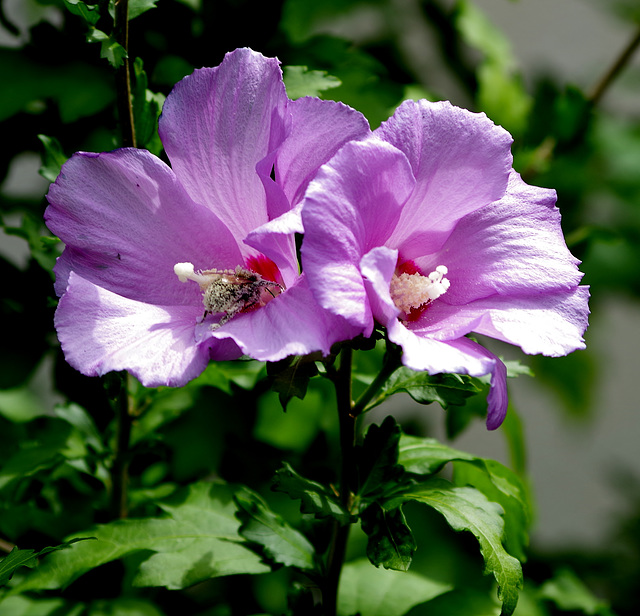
x: 233, y: 291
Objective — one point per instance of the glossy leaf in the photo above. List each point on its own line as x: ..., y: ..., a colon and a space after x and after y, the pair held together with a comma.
x: 281, y: 542
x: 369, y: 591
x: 196, y: 540
x: 468, y: 509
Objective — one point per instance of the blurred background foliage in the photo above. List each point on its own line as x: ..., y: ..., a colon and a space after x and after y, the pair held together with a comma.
x: 57, y: 428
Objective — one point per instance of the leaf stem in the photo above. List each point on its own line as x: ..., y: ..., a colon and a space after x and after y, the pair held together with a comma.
x: 614, y: 70
x: 390, y: 365
x: 340, y: 532
x: 123, y: 76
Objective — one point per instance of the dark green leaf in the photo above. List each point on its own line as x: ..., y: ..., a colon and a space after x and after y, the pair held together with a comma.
x: 146, y: 110
x: 197, y: 540
x: 52, y: 158
x: 391, y: 543
x: 300, y: 81
x: 369, y: 591
x: 110, y: 49
x: 28, y: 558
x: 315, y: 497
x: 446, y: 389
x: 468, y: 509
x: 425, y: 456
x: 138, y: 7
x: 281, y: 543
x: 290, y: 377
x: 377, y: 460
x: 89, y: 13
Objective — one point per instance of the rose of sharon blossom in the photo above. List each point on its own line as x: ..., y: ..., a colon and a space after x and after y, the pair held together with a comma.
x: 167, y: 267
x: 426, y: 229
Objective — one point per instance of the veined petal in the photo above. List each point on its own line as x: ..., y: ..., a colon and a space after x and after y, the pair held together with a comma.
x: 100, y: 331
x: 217, y: 125
x: 291, y: 324
x: 461, y: 162
x: 513, y: 247
x: 377, y: 268
x: 549, y: 323
x: 351, y: 207
x: 126, y: 222
x: 319, y: 129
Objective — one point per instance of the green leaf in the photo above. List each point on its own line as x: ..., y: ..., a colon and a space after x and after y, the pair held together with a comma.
x: 468, y: 509
x: 446, y: 389
x: 27, y: 606
x: 316, y: 498
x: 281, y: 542
x: 27, y: 558
x: 136, y: 8
x: 90, y: 14
x: 300, y: 81
x: 425, y: 456
x: 390, y: 543
x: 291, y: 376
x: 368, y: 591
x: 377, y: 460
x: 147, y: 106
x: 110, y: 49
x: 569, y: 593
x: 52, y: 158
x: 198, y: 539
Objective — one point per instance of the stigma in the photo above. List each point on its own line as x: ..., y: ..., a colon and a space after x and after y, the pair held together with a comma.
x: 414, y: 292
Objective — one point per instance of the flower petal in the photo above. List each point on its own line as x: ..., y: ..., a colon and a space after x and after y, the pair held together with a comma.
x: 549, y: 323
x: 217, y: 125
x: 319, y: 129
x: 126, y: 222
x: 290, y: 324
x: 100, y: 331
x: 512, y: 247
x: 351, y: 207
x: 461, y: 162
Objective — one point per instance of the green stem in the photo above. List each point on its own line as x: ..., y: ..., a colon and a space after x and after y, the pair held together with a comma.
x: 123, y: 76
x: 340, y: 533
x: 391, y: 364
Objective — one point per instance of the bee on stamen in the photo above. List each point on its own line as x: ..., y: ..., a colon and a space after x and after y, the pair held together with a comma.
x: 229, y: 291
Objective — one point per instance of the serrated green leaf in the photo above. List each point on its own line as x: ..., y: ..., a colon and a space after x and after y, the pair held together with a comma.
x: 197, y: 540
x: 28, y: 558
x: 316, y: 498
x: 300, y: 81
x: 425, y: 456
x: 52, y: 158
x: 446, y: 389
x: 281, y: 542
x: 147, y: 106
x: 468, y: 509
x: 368, y: 591
x: 90, y: 14
x: 136, y: 8
x: 110, y: 49
x: 390, y: 543
x: 498, y: 483
x: 290, y: 377
x: 377, y: 460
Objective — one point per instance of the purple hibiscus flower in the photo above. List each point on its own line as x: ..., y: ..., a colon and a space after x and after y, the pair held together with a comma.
x: 426, y: 229
x: 167, y: 267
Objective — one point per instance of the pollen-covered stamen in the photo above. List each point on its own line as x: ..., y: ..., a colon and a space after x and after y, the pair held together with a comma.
x: 229, y: 291
x: 413, y: 291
